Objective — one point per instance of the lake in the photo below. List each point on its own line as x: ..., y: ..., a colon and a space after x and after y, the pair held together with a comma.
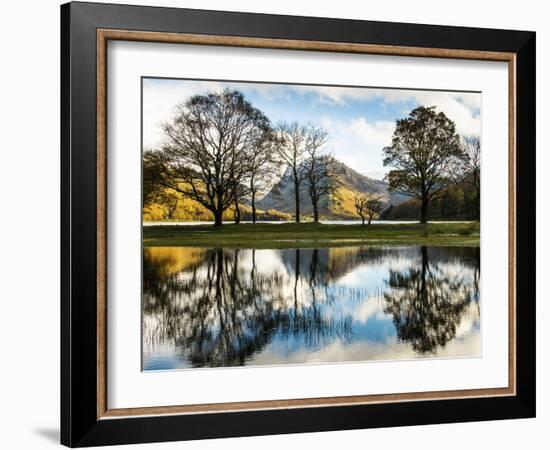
x: 206, y: 307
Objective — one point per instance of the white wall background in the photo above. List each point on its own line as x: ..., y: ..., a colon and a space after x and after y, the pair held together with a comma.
x: 29, y: 224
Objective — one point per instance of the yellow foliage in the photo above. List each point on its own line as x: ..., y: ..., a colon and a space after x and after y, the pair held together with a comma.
x: 174, y: 259
x: 188, y: 210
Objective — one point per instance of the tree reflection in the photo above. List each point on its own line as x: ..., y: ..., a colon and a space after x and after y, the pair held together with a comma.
x: 222, y: 311
x: 223, y: 307
x: 427, y: 302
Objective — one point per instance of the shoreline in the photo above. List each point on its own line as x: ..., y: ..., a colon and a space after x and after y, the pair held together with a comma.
x: 154, y: 223
x: 311, y: 235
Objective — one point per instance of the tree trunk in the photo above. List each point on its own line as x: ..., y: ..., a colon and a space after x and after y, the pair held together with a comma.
x: 237, y: 213
x: 253, y: 273
x: 363, y: 220
x: 297, y: 200
x: 296, y: 278
x: 423, y: 290
x: 313, y: 270
x: 315, y: 212
x: 218, y: 218
x: 218, y: 210
x: 370, y: 220
x: 424, y: 210
x: 253, y: 205
x: 219, y: 286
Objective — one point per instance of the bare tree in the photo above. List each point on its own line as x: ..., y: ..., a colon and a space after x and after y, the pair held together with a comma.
x: 368, y: 206
x: 292, y: 150
x: 207, y: 147
x: 470, y: 166
x: 374, y: 207
x: 263, y: 161
x: 360, y: 202
x: 320, y: 170
x: 240, y: 191
x: 424, y: 147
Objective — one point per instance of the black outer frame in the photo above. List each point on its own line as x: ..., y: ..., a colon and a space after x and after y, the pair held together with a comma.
x: 79, y: 423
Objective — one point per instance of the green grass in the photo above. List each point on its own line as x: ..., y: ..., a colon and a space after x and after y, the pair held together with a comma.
x: 306, y: 235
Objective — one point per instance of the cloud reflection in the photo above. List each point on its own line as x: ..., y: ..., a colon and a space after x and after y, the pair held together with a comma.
x: 230, y: 307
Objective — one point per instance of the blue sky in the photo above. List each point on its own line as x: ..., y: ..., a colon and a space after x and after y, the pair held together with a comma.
x: 360, y: 121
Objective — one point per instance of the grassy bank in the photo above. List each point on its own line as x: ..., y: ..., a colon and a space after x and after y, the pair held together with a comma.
x: 305, y: 235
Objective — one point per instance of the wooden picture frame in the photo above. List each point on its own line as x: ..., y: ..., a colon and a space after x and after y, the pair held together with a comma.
x: 85, y: 417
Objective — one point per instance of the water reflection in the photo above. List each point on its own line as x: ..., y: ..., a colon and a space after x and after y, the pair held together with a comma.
x: 427, y: 302
x: 234, y: 307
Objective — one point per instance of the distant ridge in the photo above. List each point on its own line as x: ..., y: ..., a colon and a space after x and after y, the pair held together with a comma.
x: 341, y: 206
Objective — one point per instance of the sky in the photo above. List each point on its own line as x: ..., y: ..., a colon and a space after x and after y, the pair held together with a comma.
x: 360, y: 121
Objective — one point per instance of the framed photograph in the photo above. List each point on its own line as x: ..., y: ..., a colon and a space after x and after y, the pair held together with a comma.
x: 276, y: 224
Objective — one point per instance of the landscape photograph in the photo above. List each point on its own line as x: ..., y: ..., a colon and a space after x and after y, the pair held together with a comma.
x: 306, y: 224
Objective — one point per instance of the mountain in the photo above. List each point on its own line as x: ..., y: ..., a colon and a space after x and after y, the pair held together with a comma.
x: 341, y: 206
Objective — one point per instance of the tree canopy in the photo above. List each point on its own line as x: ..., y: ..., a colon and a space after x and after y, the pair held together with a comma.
x: 424, y: 147
x: 207, y: 152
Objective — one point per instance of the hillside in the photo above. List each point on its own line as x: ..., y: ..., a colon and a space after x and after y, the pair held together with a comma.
x: 339, y: 206
x: 457, y: 202
x: 180, y: 209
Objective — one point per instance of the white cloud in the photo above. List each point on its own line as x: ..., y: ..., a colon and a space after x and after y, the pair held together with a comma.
x: 358, y: 143
x: 388, y: 350
x: 159, y: 101
x: 342, y: 96
x: 462, y: 108
x: 378, y: 133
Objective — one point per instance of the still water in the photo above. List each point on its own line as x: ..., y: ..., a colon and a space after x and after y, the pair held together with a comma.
x: 233, y: 307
